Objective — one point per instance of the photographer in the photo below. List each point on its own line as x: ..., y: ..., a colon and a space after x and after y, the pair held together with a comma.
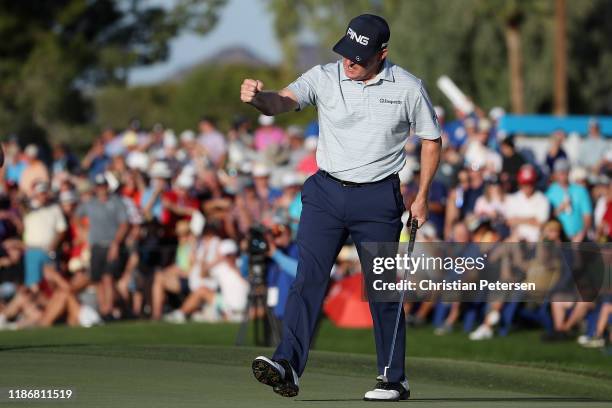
x: 282, y: 268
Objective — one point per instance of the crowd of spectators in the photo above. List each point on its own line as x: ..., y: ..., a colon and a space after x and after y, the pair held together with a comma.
x: 154, y: 224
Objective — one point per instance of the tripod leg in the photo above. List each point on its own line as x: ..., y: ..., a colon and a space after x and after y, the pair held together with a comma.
x: 244, y: 325
x: 274, y: 327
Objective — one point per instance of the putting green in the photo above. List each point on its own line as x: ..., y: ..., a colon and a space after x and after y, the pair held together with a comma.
x: 114, y: 375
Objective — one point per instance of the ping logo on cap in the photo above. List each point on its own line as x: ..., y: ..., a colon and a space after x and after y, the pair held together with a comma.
x: 361, y: 39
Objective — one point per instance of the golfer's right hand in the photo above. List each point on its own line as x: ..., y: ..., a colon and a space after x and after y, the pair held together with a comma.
x: 249, y: 89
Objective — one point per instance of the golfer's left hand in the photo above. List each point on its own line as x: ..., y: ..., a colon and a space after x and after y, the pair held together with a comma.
x: 419, y: 210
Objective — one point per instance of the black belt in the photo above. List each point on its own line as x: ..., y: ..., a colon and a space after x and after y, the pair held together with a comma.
x: 353, y: 184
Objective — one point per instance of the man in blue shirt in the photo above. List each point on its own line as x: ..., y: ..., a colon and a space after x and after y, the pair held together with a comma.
x: 283, y: 268
x: 571, y: 203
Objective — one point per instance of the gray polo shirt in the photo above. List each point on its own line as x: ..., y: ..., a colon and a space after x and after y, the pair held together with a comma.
x: 104, y: 218
x: 363, y: 128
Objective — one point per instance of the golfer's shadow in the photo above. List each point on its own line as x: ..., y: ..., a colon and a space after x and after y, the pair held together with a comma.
x: 474, y: 399
x: 19, y: 347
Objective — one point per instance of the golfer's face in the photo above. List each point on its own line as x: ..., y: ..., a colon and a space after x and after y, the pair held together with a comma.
x: 361, y: 71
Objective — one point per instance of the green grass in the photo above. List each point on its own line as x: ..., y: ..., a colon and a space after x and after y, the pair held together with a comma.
x: 145, y: 364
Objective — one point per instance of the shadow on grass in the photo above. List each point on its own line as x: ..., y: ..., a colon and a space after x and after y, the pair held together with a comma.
x: 17, y: 347
x: 475, y: 399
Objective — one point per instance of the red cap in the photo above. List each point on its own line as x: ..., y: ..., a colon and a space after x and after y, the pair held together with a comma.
x: 526, y: 175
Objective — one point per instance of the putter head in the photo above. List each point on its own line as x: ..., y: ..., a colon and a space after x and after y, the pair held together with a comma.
x: 383, y: 377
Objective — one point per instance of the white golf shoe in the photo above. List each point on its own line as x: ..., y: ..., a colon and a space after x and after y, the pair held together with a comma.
x: 483, y: 332
x: 388, y: 391
x: 176, y: 317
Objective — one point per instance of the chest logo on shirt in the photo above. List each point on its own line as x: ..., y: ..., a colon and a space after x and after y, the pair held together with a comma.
x: 392, y: 102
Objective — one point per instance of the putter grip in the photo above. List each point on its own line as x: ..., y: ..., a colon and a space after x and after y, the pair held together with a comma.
x: 414, y: 225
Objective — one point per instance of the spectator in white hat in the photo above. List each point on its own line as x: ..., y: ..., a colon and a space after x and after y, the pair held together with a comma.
x: 159, y: 175
x: 261, y: 180
x: 240, y: 144
x: 43, y: 229
x: 297, y: 150
x: 230, y: 300
x: 308, y: 165
x: 212, y: 140
x: 108, y: 225
x: 178, y: 204
x: 593, y: 148
x: 555, y: 151
x: 571, y: 203
x: 34, y: 171
x: 267, y: 134
x: 291, y: 182
x: 478, y: 153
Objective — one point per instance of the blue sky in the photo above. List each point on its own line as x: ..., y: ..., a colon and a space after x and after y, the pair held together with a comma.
x: 244, y: 23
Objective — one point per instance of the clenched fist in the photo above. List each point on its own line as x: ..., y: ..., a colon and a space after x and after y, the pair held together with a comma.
x: 250, y: 88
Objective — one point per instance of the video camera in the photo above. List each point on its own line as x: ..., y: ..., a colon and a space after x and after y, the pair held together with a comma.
x: 257, y: 249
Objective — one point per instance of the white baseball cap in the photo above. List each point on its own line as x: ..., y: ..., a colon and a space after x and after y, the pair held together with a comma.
x: 170, y: 139
x: 187, y: 135
x: 228, y: 247
x: 260, y: 170
x: 294, y: 130
x: 405, y: 174
x: 137, y: 161
x: 68, y: 197
x: 197, y: 223
x: 578, y: 174
x: 184, y: 181
x: 265, y: 120
x: 31, y: 151
x: 310, y: 143
x: 497, y: 112
x: 130, y: 139
x: 291, y: 179
x: 160, y: 169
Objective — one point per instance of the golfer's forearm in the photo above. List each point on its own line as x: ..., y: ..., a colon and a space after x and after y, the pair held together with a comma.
x: 273, y: 102
x: 430, y: 158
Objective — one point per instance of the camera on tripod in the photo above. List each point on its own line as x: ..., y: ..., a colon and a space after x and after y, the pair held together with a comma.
x: 266, y: 328
x: 258, y: 251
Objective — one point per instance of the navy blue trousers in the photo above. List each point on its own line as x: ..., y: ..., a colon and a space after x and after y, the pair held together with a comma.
x: 330, y: 212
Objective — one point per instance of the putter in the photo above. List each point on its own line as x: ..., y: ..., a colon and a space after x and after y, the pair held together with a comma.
x: 414, y: 225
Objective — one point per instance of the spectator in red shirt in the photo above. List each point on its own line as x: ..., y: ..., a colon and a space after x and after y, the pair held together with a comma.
x: 308, y: 165
x: 603, y: 216
x: 177, y: 203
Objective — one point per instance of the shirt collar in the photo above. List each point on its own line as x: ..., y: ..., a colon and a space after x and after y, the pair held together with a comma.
x: 386, y: 74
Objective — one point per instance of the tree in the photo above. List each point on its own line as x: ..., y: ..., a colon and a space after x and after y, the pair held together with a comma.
x: 208, y: 90
x: 590, y: 56
x: 55, y: 52
x: 500, y: 52
x: 560, y: 86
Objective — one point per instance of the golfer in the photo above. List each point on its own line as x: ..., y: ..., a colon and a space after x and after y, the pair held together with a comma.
x: 366, y: 107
